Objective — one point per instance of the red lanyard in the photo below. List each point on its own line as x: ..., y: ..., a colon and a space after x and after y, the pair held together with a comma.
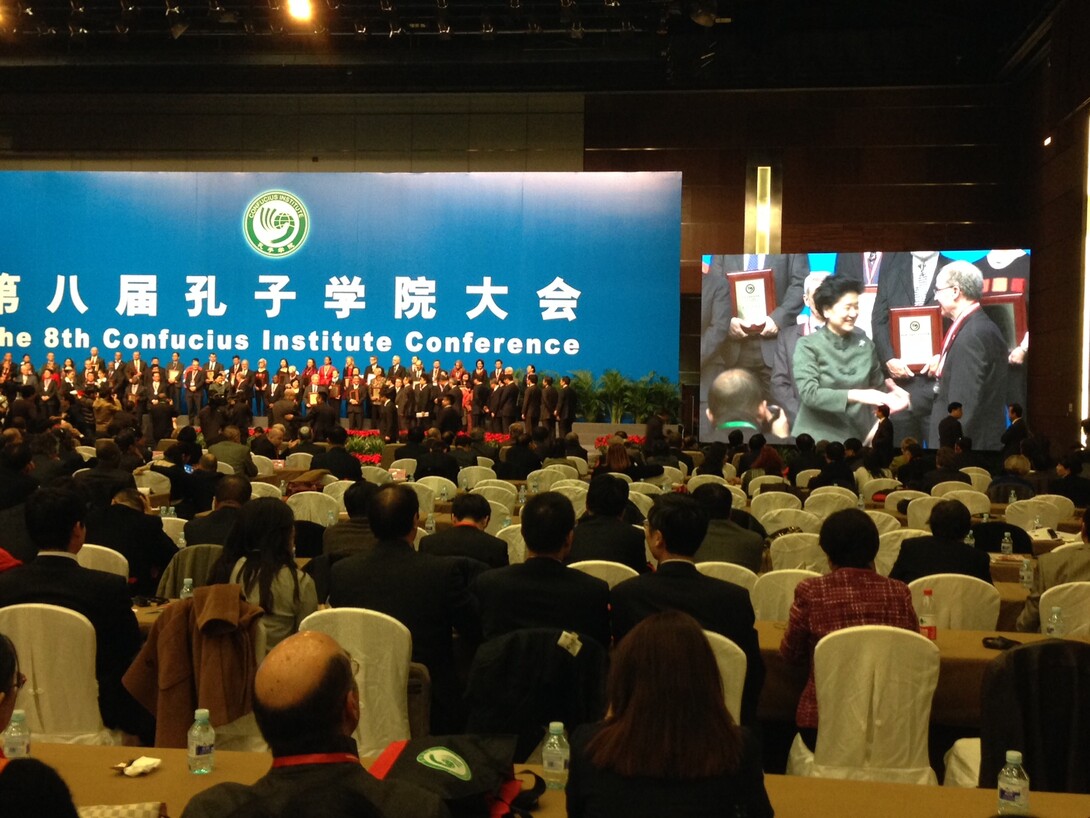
x: 315, y: 758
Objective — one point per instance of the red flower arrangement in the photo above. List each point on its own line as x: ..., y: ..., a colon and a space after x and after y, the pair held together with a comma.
x: 369, y: 459
x: 602, y: 443
x: 497, y: 438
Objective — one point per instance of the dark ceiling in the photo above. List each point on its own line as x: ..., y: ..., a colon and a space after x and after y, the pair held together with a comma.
x: 592, y: 45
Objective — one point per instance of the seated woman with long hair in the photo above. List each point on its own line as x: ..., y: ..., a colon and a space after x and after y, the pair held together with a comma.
x: 617, y: 459
x: 668, y: 746
x: 260, y: 556
x: 715, y: 457
x: 767, y: 462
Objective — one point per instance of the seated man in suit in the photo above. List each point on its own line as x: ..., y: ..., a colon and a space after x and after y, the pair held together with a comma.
x: 468, y: 538
x: 270, y: 444
x: 835, y: 471
x: 542, y: 592
x: 676, y: 526
x: 726, y: 541
x: 234, y: 453
x: 1056, y: 568
x: 945, y: 551
x: 55, y: 518
x: 232, y: 492
x: 336, y: 458
x: 427, y: 594
x: 354, y: 535
x: 102, y: 481
x: 307, y: 707
x: 128, y: 527
x: 1070, y: 484
x: 944, y: 471
x: 602, y: 534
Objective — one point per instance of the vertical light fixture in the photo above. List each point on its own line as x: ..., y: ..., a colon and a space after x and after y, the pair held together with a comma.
x: 764, y: 192
x: 763, y: 231
x: 1084, y: 377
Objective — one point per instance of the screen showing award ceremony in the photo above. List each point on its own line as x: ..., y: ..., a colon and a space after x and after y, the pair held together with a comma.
x: 557, y: 270
x: 825, y: 343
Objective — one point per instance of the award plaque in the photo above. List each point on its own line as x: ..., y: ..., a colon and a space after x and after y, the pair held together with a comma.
x: 916, y: 334
x: 1008, y: 311
x: 753, y: 294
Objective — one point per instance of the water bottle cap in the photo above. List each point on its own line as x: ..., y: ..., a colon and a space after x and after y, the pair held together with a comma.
x: 927, y: 592
x: 187, y: 581
x: 1055, y: 610
x: 556, y: 727
x: 1014, y: 757
x: 200, y: 714
x: 18, y: 716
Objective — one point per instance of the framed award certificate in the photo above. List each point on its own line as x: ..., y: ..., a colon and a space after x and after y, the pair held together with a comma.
x: 1008, y: 311
x: 753, y: 294
x: 916, y: 334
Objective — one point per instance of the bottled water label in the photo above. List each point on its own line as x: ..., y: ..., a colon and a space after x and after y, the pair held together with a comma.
x: 1013, y: 794
x: 554, y: 763
x: 202, y: 749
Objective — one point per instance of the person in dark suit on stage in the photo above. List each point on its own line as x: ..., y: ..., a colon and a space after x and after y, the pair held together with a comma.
x: 531, y: 403
x: 542, y: 592
x: 675, y: 527
x: 602, y: 534
x: 882, y: 442
x: 565, y: 407
x: 193, y: 383
x: 1014, y: 434
x: 336, y: 459
x: 387, y: 417
x: 950, y: 426
x: 550, y: 397
x: 232, y: 492
x: 508, y: 403
x: 972, y: 367
x: 427, y: 594
x: 468, y: 538
x: 945, y: 551
x: 55, y: 519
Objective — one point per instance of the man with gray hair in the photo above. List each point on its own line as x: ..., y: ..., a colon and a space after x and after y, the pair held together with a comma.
x: 972, y: 366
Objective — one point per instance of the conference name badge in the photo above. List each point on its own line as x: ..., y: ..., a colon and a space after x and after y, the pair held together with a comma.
x: 275, y: 223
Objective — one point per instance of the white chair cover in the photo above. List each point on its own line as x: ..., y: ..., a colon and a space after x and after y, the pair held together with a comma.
x: 841, y: 491
x: 157, y: 483
x: 822, y: 505
x: 173, y: 528
x: 516, y: 546
x: 611, y: 572
x: 670, y: 476
x: 437, y: 484
x: 469, y: 476
x: 406, y: 464
x: 570, y: 472
x: 947, y: 486
x: 883, y: 521
x: 314, y: 507
x: 500, y: 494
x: 732, y: 663
x: 757, y: 483
x: 698, y: 480
x: 373, y: 474
x: 336, y: 490
x: 541, y: 480
x: 578, y: 497
x: 224, y: 468
x: 1074, y: 600
x: 889, y: 547
x: 874, y: 687
x: 894, y: 498
x: 580, y: 466
x: 425, y: 496
x: 643, y: 487
x: 798, y: 551
x: 101, y: 558
x: 919, y: 511
x: 976, y: 501
x: 773, y: 593
x: 981, y: 478
x: 500, y: 512
x: 259, y: 488
x: 1023, y: 512
x: 486, y: 462
x: 741, y: 499
x: 781, y: 518
x: 86, y: 452
x: 298, y: 460
x: 962, y: 603
x: 962, y: 763
x: 56, y: 648
x: 878, y: 484
x: 1064, y: 505
x: 503, y: 484
x: 770, y: 500
x: 641, y: 501
x: 566, y: 483
x: 383, y: 648
x: 265, y: 466
x: 728, y: 572
x: 803, y: 478
x: 729, y: 472
x: 620, y: 476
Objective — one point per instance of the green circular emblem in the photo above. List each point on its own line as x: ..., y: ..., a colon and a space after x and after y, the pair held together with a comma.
x: 275, y: 223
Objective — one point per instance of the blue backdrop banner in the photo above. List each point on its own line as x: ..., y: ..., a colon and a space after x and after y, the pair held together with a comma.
x: 564, y: 270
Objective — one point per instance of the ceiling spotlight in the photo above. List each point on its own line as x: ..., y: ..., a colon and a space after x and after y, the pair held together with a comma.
x: 533, y: 26
x: 703, y: 12
x: 361, y: 28
x: 395, y: 29
x: 515, y: 4
x: 77, y: 32
x: 127, y: 8
x: 386, y: 6
x: 78, y: 7
x: 576, y: 31
x: 444, y: 30
x: 488, y: 31
x: 300, y: 10
x: 26, y: 11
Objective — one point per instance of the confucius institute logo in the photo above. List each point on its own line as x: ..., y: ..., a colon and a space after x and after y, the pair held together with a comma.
x: 276, y: 223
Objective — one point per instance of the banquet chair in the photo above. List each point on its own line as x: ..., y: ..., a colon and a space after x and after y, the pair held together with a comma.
x: 731, y: 661
x: 314, y: 507
x: 757, y: 483
x: 486, y: 462
x: 153, y: 480
x: 947, y: 486
x: 1023, y: 513
x: 500, y: 513
x: 841, y: 491
x: 425, y: 496
x: 224, y: 468
x: 578, y: 497
x: 728, y: 572
x: 781, y: 518
x: 822, y: 505
x: 883, y: 521
x: 56, y: 648
x: 1073, y: 599
x: 879, y: 485
x: 540, y: 480
x: 741, y: 499
x: 469, y: 476
x: 86, y: 452
x: 643, y: 487
x: 382, y: 648
x: 438, y: 484
x: 698, y: 480
x: 729, y: 471
x: 193, y: 562
x: 976, y: 501
x: 173, y: 527
x: 264, y: 465
x: 620, y: 476
x: 1064, y: 505
x: 298, y: 460
x: 579, y: 484
x: 874, y: 686
x: 670, y: 476
x: 374, y: 474
x: 516, y: 546
x: 580, y: 465
x: 919, y: 511
x: 981, y: 478
x: 773, y: 593
x: 336, y: 491
x: 961, y: 603
x: 897, y: 496
x: 501, y: 494
x: 889, y: 547
x: 771, y: 500
x: 611, y: 573
x: 101, y: 558
x: 641, y: 501
x: 405, y: 464
x: 989, y: 537
x: 803, y: 478
x: 503, y: 484
x: 798, y: 551
x: 262, y: 489
x: 570, y: 472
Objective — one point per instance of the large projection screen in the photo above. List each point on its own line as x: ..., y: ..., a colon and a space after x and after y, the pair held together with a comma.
x: 560, y: 270
x: 758, y: 375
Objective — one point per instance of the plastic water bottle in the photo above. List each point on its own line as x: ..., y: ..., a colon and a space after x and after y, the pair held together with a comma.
x: 331, y: 519
x: 1012, y: 497
x: 283, y: 488
x: 17, y: 737
x: 861, y: 504
x: 506, y: 520
x: 533, y: 486
x: 1013, y: 786
x: 202, y: 744
x: 555, y: 757
x: 1007, y: 546
x: 1036, y: 522
x: 928, y: 622
x: 970, y: 540
x: 187, y: 588
x: 1025, y: 574
x: 429, y: 523
x: 443, y: 494
x: 181, y: 540
x: 1055, y: 626
x: 522, y: 494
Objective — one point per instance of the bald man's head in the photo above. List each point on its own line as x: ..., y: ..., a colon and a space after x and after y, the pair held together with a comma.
x: 305, y: 698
